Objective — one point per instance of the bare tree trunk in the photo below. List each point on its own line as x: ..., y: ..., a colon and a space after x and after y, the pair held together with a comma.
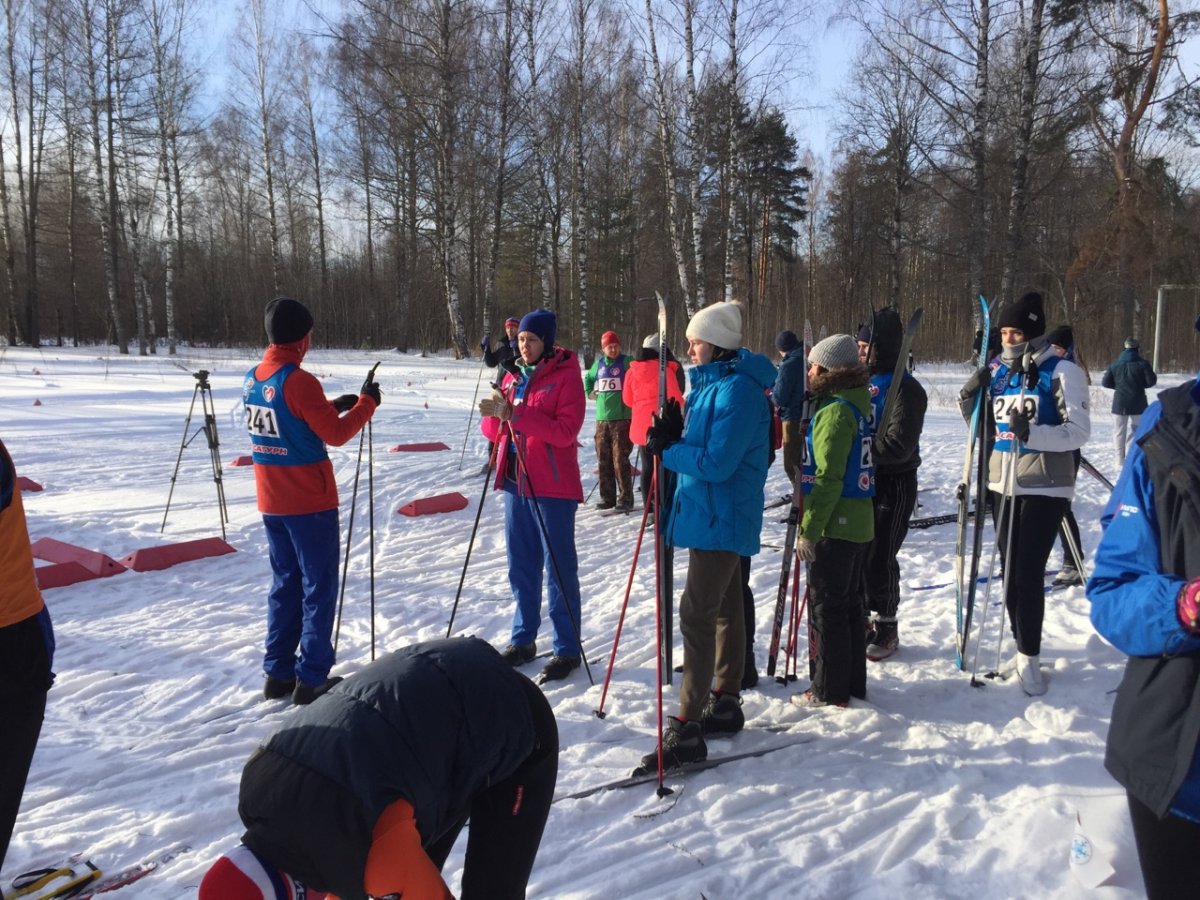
x: 978, y: 228
x: 447, y: 134
x: 539, y: 156
x: 731, y: 151
x: 695, y: 150
x: 666, y: 145
x: 506, y: 77
x: 262, y: 54
x: 579, y: 199
x: 10, y: 261
x: 106, y: 198
x: 1031, y: 48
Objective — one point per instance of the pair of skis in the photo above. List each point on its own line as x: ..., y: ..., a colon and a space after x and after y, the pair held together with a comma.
x: 966, y: 573
x: 81, y: 880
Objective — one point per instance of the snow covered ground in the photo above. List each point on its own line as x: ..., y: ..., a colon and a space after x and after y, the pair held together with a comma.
x: 931, y: 788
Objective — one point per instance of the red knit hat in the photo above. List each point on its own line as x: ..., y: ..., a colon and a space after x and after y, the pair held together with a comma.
x: 241, y: 874
x: 610, y: 337
x: 512, y: 320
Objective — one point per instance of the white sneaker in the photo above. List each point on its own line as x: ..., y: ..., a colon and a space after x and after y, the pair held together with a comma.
x: 1029, y: 673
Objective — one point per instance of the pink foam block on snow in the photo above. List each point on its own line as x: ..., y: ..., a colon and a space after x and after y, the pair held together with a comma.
x: 418, y: 448
x: 93, y: 561
x: 439, y: 504
x: 242, y: 461
x: 151, y: 559
x: 28, y: 485
x: 61, y: 575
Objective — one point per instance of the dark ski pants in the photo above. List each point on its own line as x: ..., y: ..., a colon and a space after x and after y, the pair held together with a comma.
x: 895, y: 497
x: 837, y: 660
x: 508, y: 818
x: 303, y: 597
x: 532, y: 552
x: 1163, y: 846
x: 1035, y: 525
x: 24, y: 680
x: 748, y: 613
x: 713, y: 628
x: 613, y: 447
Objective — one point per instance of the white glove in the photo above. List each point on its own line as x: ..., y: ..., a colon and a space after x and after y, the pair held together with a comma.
x: 806, y: 550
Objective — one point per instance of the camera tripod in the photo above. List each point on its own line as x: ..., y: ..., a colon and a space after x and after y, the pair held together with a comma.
x: 203, y: 390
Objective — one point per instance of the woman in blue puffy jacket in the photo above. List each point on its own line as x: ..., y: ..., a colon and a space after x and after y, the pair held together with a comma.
x: 720, y: 457
x: 1145, y: 596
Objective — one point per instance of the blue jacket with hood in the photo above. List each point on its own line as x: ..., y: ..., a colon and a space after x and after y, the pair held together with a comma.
x: 722, y: 458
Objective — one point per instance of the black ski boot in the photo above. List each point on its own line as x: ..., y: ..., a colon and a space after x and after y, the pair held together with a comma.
x: 519, y: 654
x: 305, y: 694
x: 722, y: 714
x: 682, y: 744
x: 277, y: 688
x: 558, y: 668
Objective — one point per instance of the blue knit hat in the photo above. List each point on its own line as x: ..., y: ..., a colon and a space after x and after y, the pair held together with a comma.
x: 541, y: 322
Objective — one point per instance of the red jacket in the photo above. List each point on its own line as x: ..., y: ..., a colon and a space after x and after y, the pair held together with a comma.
x: 640, y: 394
x: 547, y: 421
x: 299, y: 490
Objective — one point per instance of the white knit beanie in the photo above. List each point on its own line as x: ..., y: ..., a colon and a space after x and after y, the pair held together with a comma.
x: 720, y: 324
x: 651, y: 342
x: 838, y: 351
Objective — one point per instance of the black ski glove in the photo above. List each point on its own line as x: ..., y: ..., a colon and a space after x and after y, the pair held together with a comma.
x: 371, y: 389
x: 1018, y: 424
x: 344, y: 403
x: 667, y: 429
x: 485, y: 343
x: 977, y: 382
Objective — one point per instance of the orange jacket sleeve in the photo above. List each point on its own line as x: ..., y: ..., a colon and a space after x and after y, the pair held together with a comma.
x: 397, y: 863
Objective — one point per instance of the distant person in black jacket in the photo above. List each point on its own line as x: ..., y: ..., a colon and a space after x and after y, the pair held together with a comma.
x: 1129, y: 377
x: 896, y: 452
x: 505, y: 353
x: 364, y: 792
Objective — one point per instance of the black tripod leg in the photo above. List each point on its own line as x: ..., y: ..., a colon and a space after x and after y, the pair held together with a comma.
x: 187, y: 424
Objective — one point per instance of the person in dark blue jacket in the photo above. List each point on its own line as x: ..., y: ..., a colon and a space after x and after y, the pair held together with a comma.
x: 720, y: 457
x: 1145, y: 596
x: 1128, y: 379
x: 788, y: 395
x: 364, y: 792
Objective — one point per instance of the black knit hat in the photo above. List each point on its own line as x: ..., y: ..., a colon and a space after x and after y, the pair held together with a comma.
x: 287, y: 320
x: 1027, y: 315
x: 786, y: 341
x: 1062, y: 336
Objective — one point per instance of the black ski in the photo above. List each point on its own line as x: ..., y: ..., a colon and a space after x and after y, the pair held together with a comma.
x: 711, y: 763
x: 889, y: 401
x: 930, y: 521
x: 664, y: 552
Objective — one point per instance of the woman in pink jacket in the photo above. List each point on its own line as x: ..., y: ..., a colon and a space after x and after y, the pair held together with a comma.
x: 542, y: 407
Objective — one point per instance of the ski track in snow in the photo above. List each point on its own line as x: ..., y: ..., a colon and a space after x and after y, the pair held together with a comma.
x: 930, y: 788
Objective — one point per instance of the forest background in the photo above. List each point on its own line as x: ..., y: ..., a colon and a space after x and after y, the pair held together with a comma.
x: 416, y: 170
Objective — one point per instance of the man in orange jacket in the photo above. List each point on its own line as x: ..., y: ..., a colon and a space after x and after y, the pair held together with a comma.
x: 26, y: 651
x: 290, y: 421
x: 364, y: 792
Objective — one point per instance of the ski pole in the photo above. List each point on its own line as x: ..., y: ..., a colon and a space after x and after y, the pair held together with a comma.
x: 562, y: 588
x: 471, y: 411
x: 487, y: 480
x: 349, y: 534
x: 789, y: 647
x: 662, y: 790
x: 371, y: 522
x: 612, y: 658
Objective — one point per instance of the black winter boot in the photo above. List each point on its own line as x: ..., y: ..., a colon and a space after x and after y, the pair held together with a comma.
x: 519, y: 654
x: 722, y: 714
x: 275, y: 688
x: 682, y: 744
x: 558, y: 668
x: 305, y: 694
